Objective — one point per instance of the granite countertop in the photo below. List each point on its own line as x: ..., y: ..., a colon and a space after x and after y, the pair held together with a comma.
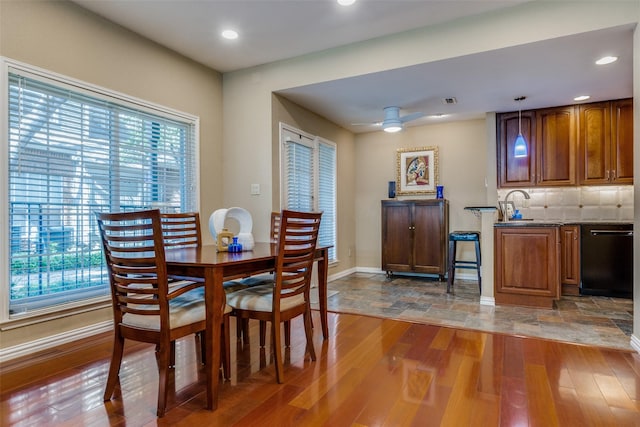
x: 548, y: 223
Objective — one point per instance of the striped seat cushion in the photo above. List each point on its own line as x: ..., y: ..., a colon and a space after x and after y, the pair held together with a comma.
x: 260, y: 298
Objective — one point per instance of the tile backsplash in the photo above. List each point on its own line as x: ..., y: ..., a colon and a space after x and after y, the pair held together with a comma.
x: 589, y: 203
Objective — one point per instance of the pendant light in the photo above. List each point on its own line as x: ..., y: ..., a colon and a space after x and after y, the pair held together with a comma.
x: 520, y: 146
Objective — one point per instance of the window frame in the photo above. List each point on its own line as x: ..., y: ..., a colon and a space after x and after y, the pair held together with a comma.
x: 314, y: 142
x: 8, y: 65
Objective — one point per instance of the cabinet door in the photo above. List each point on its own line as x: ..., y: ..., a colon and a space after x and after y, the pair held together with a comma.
x: 570, y: 259
x: 526, y: 266
x: 512, y: 171
x: 397, y: 234
x: 429, y: 238
x: 595, y: 143
x: 556, y: 146
x: 622, y: 142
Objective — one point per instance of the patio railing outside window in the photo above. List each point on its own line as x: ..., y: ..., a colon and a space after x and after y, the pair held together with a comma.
x: 74, y: 149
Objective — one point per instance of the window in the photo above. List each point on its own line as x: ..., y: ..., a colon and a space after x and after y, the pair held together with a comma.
x: 309, y: 180
x: 72, y: 150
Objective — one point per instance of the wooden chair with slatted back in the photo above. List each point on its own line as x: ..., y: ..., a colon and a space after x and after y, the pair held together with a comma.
x: 144, y: 307
x: 182, y: 230
x: 242, y: 325
x: 289, y: 297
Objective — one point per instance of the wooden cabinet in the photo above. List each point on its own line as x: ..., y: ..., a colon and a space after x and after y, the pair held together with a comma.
x: 570, y: 259
x: 526, y: 265
x: 415, y: 235
x: 587, y: 144
x: 551, y: 137
x: 512, y: 171
x: 555, y: 147
x: 606, y: 142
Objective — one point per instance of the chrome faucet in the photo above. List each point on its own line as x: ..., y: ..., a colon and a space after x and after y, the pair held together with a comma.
x: 502, y: 205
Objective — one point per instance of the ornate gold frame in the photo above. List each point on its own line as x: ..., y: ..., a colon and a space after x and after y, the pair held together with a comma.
x: 417, y: 170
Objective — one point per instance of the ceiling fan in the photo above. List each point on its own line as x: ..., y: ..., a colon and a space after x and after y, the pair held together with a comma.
x: 392, y: 121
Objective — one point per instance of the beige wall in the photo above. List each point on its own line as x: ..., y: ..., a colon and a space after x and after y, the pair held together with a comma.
x: 61, y: 37
x: 462, y: 170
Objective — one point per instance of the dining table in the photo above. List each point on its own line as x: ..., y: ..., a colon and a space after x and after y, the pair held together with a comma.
x: 216, y: 267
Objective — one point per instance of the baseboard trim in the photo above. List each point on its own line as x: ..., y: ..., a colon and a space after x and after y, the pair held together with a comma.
x: 635, y: 343
x: 488, y: 301
x: 46, y: 343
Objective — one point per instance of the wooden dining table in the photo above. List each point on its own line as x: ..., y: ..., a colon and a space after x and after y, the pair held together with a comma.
x: 217, y: 267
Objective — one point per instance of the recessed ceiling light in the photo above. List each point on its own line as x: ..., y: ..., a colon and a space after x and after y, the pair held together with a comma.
x: 581, y: 98
x: 346, y: 2
x: 606, y: 60
x: 230, y: 34
x: 438, y: 116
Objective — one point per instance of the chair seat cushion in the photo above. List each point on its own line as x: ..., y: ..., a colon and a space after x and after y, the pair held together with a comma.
x: 464, y: 235
x: 260, y: 298
x: 259, y: 279
x: 183, y: 310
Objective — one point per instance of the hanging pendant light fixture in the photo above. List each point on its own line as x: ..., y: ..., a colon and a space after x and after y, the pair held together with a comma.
x: 520, y: 146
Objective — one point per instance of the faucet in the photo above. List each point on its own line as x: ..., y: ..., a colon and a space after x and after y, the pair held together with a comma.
x: 502, y: 205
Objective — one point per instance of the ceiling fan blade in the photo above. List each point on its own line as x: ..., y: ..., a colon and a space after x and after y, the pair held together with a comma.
x: 367, y: 124
x: 412, y: 116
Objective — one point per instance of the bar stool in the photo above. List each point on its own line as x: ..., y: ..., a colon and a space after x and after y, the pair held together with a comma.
x: 463, y: 236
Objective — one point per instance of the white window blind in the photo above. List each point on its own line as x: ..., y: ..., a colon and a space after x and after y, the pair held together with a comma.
x: 73, y: 151
x: 309, y: 181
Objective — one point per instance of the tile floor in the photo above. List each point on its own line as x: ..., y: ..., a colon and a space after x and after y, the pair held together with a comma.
x: 600, y: 321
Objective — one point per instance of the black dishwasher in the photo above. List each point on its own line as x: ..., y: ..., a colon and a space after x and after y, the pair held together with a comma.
x: 606, y: 259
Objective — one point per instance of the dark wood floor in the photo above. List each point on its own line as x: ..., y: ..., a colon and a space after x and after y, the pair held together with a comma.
x: 370, y: 372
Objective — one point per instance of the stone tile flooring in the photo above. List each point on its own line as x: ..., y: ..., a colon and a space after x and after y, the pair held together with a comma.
x: 600, y: 321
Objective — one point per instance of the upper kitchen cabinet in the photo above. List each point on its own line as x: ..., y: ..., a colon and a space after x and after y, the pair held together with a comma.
x: 551, y: 137
x: 606, y: 142
x: 513, y: 171
x: 586, y: 144
x: 556, y: 146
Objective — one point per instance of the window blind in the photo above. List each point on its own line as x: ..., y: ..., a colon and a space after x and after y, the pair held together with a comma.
x: 72, y: 152
x: 309, y: 181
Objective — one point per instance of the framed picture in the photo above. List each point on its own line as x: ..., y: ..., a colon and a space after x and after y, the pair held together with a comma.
x: 417, y: 171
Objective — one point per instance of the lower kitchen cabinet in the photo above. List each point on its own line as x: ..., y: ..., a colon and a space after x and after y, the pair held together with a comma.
x: 526, y: 265
x: 570, y: 259
x: 415, y: 236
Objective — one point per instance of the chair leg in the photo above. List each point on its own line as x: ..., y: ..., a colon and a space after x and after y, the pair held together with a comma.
x: 287, y: 333
x: 277, y: 350
x: 308, y: 331
x: 114, y: 367
x: 164, y: 356
x: 478, y: 260
x: 225, y: 347
x: 452, y: 261
x: 263, y: 333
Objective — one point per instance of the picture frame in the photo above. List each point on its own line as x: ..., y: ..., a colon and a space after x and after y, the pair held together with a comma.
x: 417, y: 171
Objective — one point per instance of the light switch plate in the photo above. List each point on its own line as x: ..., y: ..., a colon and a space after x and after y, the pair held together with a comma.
x: 255, y: 189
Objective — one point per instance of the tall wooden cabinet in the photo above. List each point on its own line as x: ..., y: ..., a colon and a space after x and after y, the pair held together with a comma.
x: 415, y: 235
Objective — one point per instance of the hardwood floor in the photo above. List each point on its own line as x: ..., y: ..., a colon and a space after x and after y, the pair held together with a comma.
x: 370, y: 372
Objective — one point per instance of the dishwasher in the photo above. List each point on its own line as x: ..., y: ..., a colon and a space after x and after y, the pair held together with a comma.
x: 606, y: 259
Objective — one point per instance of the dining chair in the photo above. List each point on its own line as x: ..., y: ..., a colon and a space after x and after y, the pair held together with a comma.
x: 182, y: 230
x: 145, y: 308
x: 289, y: 296
x: 242, y: 325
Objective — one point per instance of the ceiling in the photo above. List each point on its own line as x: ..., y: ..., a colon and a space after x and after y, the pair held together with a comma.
x: 548, y: 73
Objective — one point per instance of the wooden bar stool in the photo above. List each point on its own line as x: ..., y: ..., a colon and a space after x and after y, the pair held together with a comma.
x: 463, y: 236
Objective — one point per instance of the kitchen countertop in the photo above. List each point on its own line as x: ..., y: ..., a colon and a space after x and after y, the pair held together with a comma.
x: 547, y: 223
